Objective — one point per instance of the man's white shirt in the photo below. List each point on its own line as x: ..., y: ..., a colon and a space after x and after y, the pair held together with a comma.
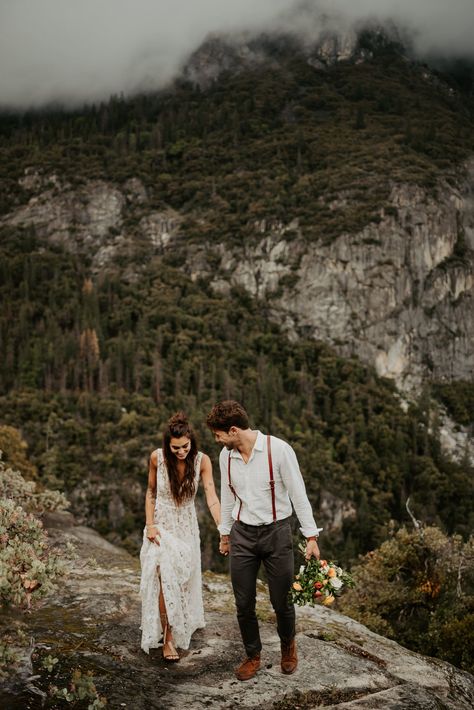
x: 251, y: 482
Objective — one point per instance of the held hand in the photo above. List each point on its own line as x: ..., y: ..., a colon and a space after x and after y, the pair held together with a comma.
x: 312, y: 550
x: 153, y: 534
x: 224, y: 546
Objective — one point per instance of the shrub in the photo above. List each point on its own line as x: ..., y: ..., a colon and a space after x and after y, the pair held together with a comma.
x: 11, y: 644
x: 418, y: 588
x: 28, y: 566
x: 14, y: 449
x: 81, y: 689
x: 27, y: 493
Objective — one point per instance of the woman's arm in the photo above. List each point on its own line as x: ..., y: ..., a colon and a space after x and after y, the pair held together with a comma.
x: 212, y: 500
x: 152, y: 531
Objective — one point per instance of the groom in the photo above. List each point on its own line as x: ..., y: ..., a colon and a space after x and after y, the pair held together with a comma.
x: 260, y: 480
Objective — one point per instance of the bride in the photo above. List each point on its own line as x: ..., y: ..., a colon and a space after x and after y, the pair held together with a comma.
x: 170, y: 587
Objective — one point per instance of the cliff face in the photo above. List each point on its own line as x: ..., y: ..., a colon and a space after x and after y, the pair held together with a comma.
x: 398, y: 294
x: 322, y: 47
x: 92, y: 622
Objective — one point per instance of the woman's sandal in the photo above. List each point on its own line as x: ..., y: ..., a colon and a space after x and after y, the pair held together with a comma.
x: 169, y: 651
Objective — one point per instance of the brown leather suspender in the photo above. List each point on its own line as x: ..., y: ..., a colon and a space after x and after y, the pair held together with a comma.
x: 272, y: 481
x: 232, y: 488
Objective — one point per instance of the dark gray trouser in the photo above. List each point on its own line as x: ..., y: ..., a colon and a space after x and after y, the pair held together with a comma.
x: 249, y: 546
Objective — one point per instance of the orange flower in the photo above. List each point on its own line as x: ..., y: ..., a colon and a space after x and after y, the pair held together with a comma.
x: 332, y: 572
x: 328, y: 600
x: 323, y: 563
x: 297, y: 586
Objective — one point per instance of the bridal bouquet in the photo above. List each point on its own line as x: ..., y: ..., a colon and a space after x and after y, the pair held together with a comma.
x: 319, y: 581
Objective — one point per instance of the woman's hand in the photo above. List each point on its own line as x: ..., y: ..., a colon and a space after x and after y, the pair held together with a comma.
x: 153, y: 534
x: 224, y: 545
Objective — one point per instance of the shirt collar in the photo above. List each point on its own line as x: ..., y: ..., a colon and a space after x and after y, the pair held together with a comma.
x: 260, y: 442
x: 258, y: 446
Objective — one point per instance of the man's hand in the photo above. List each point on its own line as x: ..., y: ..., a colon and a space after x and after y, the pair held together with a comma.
x: 224, y: 545
x: 312, y: 549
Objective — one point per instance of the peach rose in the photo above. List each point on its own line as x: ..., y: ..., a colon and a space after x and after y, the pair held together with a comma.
x: 297, y: 586
x: 332, y: 572
x: 328, y: 600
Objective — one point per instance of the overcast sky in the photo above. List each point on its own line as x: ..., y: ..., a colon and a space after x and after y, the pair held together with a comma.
x: 82, y: 50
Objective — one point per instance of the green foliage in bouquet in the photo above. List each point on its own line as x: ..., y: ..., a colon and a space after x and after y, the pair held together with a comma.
x: 319, y: 581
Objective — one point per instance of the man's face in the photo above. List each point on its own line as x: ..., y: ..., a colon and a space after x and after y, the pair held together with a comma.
x: 226, y: 438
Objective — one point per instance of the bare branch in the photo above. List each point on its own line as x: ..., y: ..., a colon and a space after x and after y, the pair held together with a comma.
x: 416, y: 523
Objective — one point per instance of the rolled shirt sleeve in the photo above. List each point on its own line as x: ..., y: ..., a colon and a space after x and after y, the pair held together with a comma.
x: 293, y: 481
x: 227, y: 498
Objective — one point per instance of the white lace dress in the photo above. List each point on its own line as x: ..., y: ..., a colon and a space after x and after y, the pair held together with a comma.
x: 177, y: 561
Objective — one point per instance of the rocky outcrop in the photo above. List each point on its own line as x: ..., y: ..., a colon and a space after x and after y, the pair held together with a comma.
x: 223, y: 54
x: 161, y: 228
x: 322, y: 40
x: 92, y: 623
x: 398, y: 294
x: 90, y: 219
x: 454, y: 439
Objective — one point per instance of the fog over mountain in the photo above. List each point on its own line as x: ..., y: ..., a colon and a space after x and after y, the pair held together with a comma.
x: 57, y: 50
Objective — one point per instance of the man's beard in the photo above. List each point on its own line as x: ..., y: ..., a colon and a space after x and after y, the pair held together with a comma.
x: 229, y: 447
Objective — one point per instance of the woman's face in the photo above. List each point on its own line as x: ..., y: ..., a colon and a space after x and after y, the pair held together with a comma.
x: 180, y: 447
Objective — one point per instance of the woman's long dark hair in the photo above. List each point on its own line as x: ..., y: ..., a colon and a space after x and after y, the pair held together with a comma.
x: 177, y: 427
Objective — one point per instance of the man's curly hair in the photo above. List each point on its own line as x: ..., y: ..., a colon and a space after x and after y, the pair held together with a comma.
x: 227, y: 414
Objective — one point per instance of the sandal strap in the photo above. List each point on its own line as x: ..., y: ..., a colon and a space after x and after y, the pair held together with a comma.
x: 172, y: 654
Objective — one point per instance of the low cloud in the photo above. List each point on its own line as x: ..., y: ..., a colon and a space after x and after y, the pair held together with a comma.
x: 442, y: 27
x: 71, y: 52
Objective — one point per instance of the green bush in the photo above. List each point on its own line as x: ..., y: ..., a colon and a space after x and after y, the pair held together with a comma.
x: 80, y: 690
x: 13, y: 450
x: 28, y: 494
x: 28, y: 565
x: 458, y: 398
x: 418, y: 588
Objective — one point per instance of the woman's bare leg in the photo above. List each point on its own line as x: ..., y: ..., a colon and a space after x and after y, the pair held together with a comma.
x: 169, y: 651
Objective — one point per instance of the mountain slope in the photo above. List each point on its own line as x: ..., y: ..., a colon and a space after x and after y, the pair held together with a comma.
x: 333, y: 180
x: 135, y: 236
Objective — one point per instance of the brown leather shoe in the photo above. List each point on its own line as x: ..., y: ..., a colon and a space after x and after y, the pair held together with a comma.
x: 248, y: 668
x: 289, y: 658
